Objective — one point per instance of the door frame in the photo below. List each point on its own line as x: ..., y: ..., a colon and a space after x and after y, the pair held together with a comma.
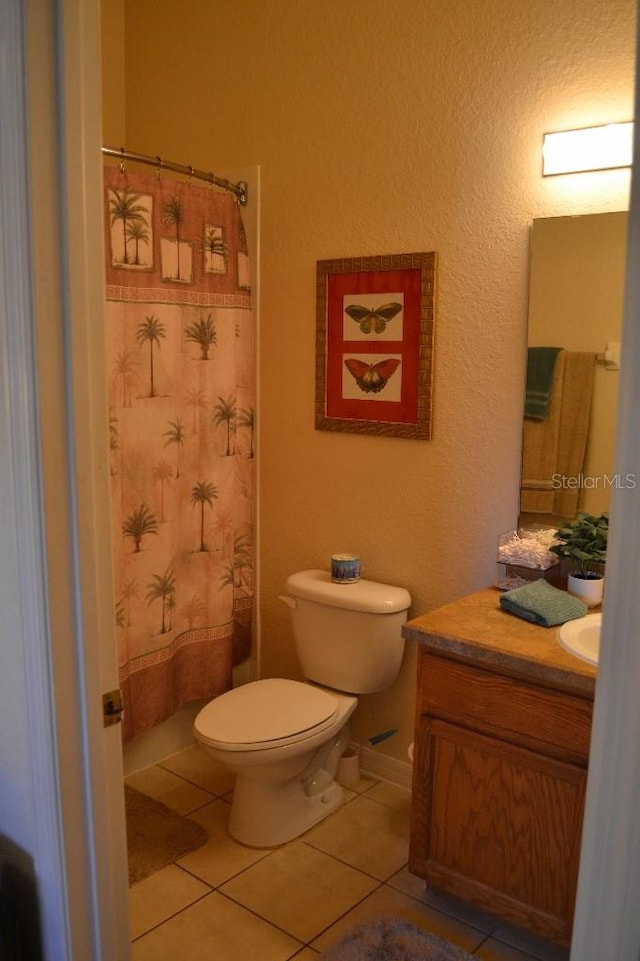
x: 85, y: 918
x: 78, y: 803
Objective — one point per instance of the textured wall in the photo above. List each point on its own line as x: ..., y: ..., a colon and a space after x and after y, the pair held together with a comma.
x: 384, y: 126
x: 113, y: 88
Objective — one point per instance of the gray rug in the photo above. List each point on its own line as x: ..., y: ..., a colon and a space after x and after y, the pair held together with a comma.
x: 392, y: 939
x: 156, y: 835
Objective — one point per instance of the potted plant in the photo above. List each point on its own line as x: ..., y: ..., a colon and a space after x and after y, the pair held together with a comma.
x: 584, y: 541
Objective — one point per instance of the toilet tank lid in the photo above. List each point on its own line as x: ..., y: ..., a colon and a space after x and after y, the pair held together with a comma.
x: 369, y: 596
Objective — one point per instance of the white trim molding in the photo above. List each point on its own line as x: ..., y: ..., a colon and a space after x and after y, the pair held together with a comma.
x: 30, y: 806
x: 384, y: 767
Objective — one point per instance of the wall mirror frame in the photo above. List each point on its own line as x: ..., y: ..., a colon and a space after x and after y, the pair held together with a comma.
x: 576, y: 292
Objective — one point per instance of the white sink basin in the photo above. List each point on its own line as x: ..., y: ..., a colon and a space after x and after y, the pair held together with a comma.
x: 582, y: 637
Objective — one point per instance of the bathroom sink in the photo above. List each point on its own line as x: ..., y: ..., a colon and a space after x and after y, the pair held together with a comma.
x: 582, y: 637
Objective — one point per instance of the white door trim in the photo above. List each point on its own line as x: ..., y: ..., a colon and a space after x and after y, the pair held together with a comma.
x: 32, y: 823
x: 80, y: 136
x: 65, y: 808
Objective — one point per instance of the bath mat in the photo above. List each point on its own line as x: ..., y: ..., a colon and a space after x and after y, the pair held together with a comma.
x: 156, y: 836
x: 392, y: 939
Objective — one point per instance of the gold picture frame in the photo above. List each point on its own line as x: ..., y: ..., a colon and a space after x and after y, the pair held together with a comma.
x: 374, y: 344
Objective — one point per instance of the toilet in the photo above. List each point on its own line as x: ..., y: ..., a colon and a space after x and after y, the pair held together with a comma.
x: 284, y: 738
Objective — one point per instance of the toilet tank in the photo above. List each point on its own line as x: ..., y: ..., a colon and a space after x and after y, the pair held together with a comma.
x: 347, y: 635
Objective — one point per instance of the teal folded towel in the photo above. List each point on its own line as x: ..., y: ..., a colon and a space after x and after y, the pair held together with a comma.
x: 541, y: 603
x: 541, y: 365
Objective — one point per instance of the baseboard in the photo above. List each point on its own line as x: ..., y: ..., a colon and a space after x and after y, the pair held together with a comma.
x: 387, y: 768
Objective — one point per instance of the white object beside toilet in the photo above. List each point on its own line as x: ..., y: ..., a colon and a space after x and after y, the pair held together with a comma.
x: 284, y: 738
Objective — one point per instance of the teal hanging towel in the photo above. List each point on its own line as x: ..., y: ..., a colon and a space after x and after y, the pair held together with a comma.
x: 541, y: 365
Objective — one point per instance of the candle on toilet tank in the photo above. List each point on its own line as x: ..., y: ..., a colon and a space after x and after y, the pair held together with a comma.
x: 345, y: 568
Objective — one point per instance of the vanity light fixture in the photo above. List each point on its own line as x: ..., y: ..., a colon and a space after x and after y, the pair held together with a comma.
x: 592, y: 148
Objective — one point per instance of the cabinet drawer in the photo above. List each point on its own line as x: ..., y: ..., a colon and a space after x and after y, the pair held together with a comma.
x: 505, y: 707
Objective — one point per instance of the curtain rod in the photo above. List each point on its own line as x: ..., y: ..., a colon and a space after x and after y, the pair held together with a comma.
x: 240, y: 189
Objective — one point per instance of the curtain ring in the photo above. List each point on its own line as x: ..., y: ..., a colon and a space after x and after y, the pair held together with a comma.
x: 122, y: 166
x: 158, y: 166
x: 190, y: 175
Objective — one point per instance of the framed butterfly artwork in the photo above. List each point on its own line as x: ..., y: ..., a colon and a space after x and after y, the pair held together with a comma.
x: 374, y: 344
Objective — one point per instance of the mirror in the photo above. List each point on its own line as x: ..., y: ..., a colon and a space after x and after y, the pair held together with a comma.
x: 576, y: 293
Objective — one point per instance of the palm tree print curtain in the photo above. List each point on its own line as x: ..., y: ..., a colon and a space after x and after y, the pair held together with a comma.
x: 180, y: 363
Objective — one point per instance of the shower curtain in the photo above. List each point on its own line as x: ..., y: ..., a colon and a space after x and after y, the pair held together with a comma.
x: 180, y: 366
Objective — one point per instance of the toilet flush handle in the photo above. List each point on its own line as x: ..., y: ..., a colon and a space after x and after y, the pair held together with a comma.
x: 289, y: 601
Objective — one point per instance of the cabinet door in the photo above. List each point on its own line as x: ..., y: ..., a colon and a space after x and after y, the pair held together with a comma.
x: 498, y: 825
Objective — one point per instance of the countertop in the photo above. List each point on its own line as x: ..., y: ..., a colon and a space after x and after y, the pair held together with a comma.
x: 475, y: 628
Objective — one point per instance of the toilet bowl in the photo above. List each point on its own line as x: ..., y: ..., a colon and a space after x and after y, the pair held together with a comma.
x: 284, y: 738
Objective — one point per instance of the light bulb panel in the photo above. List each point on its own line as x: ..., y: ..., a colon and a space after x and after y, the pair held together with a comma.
x: 591, y: 148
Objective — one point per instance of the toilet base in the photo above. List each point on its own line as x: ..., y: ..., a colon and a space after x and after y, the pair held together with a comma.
x: 264, y: 815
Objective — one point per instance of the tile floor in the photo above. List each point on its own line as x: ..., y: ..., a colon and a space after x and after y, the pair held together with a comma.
x: 294, y: 901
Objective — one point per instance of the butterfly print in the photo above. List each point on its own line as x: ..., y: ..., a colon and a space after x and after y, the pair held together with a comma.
x: 375, y: 320
x: 371, y: 378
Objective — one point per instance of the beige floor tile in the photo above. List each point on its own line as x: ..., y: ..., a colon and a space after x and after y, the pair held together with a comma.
x: 386, y: 901
x: 300, y: 889
x: 390, y: 794
x: 370, y: 836
x: 176, y: 793
x: 349, y: 794
x: 529, y: 943
x: 415, y: 887
x: 221, y: 857
x: 307, y: 954
x: 160, y: 896
x: 195, y: 765
x: 365, y: 783
x: 214, y: 928
x: 493, y: 950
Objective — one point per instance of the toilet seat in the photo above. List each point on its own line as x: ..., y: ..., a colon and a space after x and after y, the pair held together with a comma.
x: 265, y: 714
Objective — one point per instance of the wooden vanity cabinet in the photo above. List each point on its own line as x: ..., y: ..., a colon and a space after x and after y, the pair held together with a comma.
x: 500, y: 768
